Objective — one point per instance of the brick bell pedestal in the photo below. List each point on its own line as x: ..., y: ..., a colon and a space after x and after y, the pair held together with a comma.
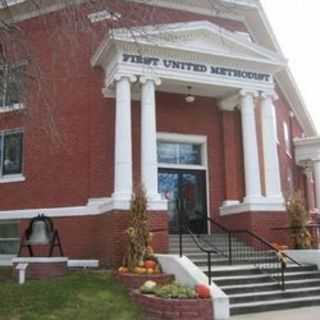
x: 40, y: 268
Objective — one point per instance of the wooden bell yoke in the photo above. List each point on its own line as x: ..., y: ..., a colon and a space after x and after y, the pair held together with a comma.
x: 41, y: 232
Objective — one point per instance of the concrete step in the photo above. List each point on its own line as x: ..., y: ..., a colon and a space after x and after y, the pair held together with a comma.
x: 262, y: 278
x: 249, y: 288
x: 277, y: 304
x: 253, y: 288
x: 251, y: 269
x: 275, y: 294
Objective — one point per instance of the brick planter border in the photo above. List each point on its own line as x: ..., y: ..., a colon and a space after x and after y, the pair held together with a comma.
x: 155, y: 308
x: 135, y: 281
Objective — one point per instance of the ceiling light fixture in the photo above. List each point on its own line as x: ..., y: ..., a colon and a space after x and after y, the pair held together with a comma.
x: 189, y: 97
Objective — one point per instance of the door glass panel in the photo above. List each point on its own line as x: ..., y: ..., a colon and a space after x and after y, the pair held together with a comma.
x: 194, y: 201
x: 189, y: 187
x: 169, y: 188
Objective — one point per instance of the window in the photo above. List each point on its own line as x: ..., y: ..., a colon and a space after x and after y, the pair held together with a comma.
x: 286, y: 135
x: 179, y: 153
x: 104, y: 15
x: 11, y: 148
x: 9, y: 238
x: 9, y: 3
x: 11, y: 85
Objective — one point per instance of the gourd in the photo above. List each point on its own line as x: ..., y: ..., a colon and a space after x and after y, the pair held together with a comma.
x: 203, y: 291
x: 148, y: 287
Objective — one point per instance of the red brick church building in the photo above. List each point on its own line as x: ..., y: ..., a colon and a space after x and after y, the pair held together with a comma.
x: 194, y: 103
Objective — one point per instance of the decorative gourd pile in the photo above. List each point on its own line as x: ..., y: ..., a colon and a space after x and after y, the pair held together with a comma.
x: 175, y: 291
x: 140, y: 257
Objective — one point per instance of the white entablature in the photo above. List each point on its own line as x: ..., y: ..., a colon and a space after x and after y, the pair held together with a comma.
x: 226, y: 59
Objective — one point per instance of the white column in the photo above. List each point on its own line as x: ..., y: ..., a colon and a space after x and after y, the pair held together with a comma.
x: 270, y: 149
x: 250, y: 147
x: 123, y: 139
x: 149, y: 163
x: 317, y: 183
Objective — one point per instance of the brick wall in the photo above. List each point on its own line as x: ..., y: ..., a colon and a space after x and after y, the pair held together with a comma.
x: 101, y: 237
x: 73, y: 161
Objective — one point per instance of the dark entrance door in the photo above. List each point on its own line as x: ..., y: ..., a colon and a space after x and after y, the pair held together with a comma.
x: 190, y: 187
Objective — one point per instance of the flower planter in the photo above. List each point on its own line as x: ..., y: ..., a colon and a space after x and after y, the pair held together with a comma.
x: 155, y: 308
x: 135, y: 281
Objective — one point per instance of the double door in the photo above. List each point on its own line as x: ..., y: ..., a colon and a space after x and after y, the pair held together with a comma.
x: 189, y: 187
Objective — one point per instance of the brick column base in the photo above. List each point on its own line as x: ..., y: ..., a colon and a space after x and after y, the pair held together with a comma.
x: 115, y: 237
x: 262, y: 223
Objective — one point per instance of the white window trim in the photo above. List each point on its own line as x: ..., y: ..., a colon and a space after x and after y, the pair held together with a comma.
x: 10, y: 178
x: 15, y: 177
x: 194, y: 139
x: 12, y: 108
x: 11, y: 3
x: 185, y: 138
x: 103, y: 15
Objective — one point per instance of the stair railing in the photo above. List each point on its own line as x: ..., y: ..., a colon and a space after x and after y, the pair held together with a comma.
x: 241, y: 247
x: 184, y: 228
x: 244, y: 246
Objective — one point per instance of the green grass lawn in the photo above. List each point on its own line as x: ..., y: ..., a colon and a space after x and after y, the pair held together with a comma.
x: 78, y: 296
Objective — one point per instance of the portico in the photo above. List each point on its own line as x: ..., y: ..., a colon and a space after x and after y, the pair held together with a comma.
x: 216, y: 64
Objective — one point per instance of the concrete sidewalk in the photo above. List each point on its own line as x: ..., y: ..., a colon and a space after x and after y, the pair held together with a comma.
x: 308, y: 313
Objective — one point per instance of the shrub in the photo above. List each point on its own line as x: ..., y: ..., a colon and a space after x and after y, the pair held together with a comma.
x: 298, y: 219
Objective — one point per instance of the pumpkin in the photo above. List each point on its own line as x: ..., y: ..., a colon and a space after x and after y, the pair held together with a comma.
x: 150, y: 264
x: 150, y: 270
x: 203, y: 291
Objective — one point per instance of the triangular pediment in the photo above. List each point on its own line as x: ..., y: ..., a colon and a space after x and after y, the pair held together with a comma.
x: 199, y: 37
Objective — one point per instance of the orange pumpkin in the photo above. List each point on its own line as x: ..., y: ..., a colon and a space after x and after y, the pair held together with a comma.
x: 150, y: 264
x: 203, y: 291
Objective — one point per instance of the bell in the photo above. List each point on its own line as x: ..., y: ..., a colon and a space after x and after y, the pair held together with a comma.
x: 39, y: 233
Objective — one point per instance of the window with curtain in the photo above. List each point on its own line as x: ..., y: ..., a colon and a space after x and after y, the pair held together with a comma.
x: 11, y: 153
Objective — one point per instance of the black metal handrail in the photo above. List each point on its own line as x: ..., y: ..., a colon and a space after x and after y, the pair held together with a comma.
x: 242, y: 245
x: 209, y: 252
x: 183, y: 227
x: 247, y: 245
